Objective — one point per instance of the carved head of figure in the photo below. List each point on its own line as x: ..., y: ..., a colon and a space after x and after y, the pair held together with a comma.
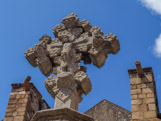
x: 70, y: 21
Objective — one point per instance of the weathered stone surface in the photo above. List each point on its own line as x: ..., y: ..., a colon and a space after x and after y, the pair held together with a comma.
x: 23, y: 104
x: 64, y: 114
x: 83, y: 81
x: 74, y: 41
x: 147, y: 90
x: 31, y: 56
x: 142, y: 95
x: 150, y: 119
x: 148, y: 100
x: 8, y: 119
x: 136, y: 102
x: 135, y: 81
x: 152, y: 107
x: 135, y: 91
x: 67, y: 98
x: 150, y: 114
x: 150, y: 95
x: 133, y: 87
x: 137, y: 115
x: 135, y: 108
x: 145, y: 106
x: 107, y: 111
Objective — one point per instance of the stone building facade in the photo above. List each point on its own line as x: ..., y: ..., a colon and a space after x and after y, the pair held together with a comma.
x: 25, y: 102
x: 23, y: 105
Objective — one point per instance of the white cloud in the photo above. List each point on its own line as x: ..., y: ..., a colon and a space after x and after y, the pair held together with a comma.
x: 157, y: 46
x: 154, y: 5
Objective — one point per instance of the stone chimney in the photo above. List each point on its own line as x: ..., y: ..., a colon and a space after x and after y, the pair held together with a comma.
x: 143, y: 94
x: 25, y: 100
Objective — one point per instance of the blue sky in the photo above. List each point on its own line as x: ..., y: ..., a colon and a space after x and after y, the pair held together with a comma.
x: 136, y: 23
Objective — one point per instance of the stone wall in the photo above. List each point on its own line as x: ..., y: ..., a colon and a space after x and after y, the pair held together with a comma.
x: 107, y: 111
x: 23, y: 104
x: 143, y: 95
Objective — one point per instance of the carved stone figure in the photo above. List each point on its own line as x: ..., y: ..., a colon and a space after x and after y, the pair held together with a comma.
x: 74, y: 41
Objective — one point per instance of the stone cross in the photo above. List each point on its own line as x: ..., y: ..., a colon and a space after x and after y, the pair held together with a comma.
x: 74, y: 41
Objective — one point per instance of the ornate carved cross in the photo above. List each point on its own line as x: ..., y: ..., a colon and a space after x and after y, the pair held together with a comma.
x: 74, y: 41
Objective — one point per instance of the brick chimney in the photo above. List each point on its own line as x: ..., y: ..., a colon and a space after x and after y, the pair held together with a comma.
x: 143, y: 94
x: 25, y: 100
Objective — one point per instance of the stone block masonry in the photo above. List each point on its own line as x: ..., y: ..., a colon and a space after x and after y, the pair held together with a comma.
x: 107, y: 111
x: 143, y: 94
x: 23, y: 104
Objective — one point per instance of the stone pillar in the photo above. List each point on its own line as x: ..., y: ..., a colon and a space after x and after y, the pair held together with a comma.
x: 143, y: 94
x: 23, y: 104
x: 70, y: 102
